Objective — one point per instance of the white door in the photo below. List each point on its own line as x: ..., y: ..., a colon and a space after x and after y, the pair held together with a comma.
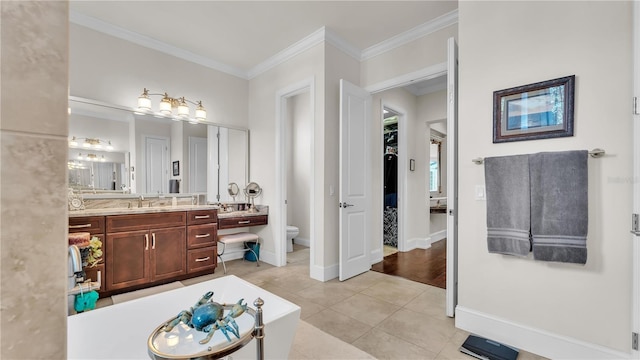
x: 197, y: 164
x: 355, y: 180
x: 452, y: 177
x: 635, y: 312
x: 156, y: 164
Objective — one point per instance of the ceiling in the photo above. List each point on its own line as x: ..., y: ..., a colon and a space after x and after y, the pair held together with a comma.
x: 243, y: 34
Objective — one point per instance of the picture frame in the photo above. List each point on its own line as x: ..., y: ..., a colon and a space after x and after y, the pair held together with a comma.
x: 541, y: 110
x: 176, y: 168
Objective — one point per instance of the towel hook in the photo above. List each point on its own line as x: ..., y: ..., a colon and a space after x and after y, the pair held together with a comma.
x: 595, y: 153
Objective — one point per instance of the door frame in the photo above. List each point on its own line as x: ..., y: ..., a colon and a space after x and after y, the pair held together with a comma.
x: 402, y: 174
x: 280, y: 215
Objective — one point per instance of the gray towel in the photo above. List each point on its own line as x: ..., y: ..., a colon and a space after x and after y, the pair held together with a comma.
x: 508, y: 210
x: 559, y: 211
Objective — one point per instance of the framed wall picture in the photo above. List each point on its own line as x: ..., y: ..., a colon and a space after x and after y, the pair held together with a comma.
x: 536, y: 111
x: 176, y: 168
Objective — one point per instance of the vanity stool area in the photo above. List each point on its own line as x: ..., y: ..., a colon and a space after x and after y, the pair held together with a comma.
x: 241, y: 237
x: 236, y: 220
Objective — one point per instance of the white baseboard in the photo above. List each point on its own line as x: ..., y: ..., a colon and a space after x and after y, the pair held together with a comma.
x: 268, y: 257
x: 324, y: 273
x: 376, y: 256
x: 302, y: 241
x: 438, y: 235
x: 417, y: 243
x: 537, y: 341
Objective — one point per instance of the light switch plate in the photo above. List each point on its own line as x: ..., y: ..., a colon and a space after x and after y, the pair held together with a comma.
x: 480, y: 193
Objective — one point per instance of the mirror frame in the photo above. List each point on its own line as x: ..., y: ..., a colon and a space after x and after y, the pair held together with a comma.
x: 133, y: 112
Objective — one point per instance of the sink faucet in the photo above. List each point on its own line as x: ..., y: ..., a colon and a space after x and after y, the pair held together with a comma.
x: 140, y: 201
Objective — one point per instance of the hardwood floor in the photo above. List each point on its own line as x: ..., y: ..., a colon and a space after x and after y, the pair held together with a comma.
x: 427, y: 266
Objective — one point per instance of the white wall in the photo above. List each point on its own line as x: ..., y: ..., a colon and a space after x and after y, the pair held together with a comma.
x: 507, y: 44
x: 262, y: 122
x: 299, y: 166
x: 423, y: 52
x: 115, y: 71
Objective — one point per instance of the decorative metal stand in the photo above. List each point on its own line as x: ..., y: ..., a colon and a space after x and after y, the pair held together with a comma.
x: 158, y: 342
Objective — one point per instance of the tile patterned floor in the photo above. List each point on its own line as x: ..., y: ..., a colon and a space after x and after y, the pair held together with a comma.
x: 385, y: 316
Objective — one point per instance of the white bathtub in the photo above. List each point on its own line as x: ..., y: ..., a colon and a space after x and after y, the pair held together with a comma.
x: 121, y: 331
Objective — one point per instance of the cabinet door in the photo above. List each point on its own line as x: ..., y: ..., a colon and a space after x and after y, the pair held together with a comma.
x: 168, y: 253
x: 127, y: 259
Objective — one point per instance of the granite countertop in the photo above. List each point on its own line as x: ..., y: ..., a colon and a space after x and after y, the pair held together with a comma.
x: 261, y: 210
x: 136, y: 210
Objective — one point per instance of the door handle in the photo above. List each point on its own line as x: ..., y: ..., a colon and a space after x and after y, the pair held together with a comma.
x: 153, y: 241
x: 146, y: 241
x: 345, y: 205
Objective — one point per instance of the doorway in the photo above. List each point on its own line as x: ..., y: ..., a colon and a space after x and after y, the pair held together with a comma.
x: 298, y: 178
x: 390, y: 181
x: 421, y: 241
x: 295, y: 99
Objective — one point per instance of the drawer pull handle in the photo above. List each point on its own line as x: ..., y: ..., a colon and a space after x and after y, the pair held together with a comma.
x: 146, y: 241
x: 203, y: 259
x: 202, y: 236
x: 244, y: 222
x: 201, y: 217
x: 153, y: 241
x: 79, y: 226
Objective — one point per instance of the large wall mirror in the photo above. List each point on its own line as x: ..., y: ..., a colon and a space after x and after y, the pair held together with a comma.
x: 116, y: 150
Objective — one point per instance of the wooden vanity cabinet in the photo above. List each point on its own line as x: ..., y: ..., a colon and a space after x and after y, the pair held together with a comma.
x: 242, y: 221
x: 144, y: 248
x: 202, y: 239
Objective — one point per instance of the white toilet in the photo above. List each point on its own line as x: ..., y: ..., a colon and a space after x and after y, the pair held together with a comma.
x: 292, y: 232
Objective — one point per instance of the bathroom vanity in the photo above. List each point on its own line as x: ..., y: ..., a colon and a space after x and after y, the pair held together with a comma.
x: 149, y: 246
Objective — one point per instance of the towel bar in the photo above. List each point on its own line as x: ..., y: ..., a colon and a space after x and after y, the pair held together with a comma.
x: 595, y: 153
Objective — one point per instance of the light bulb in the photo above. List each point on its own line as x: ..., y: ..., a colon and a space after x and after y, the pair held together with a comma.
x: 201, y: 113
x: 165, y: 105
x: 183, y: 108
x: 144, y: 103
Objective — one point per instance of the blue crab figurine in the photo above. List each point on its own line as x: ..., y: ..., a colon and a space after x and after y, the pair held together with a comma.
x: 208, y: 316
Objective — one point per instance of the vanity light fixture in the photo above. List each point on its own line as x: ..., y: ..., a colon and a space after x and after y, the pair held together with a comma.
x: 91, y: 157
x: 167, y: 104
x: 91, y: 143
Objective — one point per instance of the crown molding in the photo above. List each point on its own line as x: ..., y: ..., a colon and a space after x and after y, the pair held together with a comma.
x: 291, y: 51
x: 315, y: 38
x: 406, y: 37
x: 136, y: 38
x: 343, y: 45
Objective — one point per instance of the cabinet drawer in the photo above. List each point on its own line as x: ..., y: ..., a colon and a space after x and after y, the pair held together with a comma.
x: 201, y: 235
x: 242, y: 221
x: 195, y: 217
x: 90, y: 224
x: 201, y: 259
x: 117, y: 223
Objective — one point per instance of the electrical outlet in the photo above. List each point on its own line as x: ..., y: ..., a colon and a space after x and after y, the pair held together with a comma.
x: 480, y: 193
